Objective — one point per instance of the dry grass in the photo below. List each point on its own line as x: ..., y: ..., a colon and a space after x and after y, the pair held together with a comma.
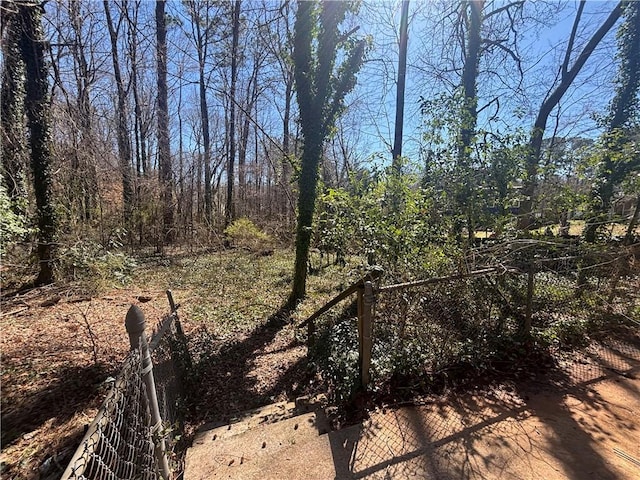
x: 60, y: 343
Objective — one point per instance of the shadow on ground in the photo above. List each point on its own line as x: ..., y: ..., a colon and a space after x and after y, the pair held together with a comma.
x: 576, y: 423
x: 229, y: 379
x: 57, y: 400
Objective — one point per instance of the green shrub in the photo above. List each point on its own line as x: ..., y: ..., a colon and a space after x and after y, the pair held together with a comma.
x: 243, y: 233
x: 335, y: 353
x: 409, y: 240
x: 13, y: 227
x: 90, y: 261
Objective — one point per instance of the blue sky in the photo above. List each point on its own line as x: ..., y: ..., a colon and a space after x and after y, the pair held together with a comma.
x: 542, y: 47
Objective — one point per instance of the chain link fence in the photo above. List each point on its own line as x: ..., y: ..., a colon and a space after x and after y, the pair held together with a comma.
x: 124, y: 441
x: 482, y: 316
x: 554, y: 291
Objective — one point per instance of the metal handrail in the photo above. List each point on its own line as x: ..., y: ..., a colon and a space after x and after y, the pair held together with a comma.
x: 373, y: 275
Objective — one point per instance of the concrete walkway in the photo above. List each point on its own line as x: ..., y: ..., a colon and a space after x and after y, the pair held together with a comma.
x: 582, y: 424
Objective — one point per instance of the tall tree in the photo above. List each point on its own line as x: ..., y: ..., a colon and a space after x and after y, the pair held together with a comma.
x: 279, y: 40
x: 481, y: 44
x: 321, y: 88
x: 235, y: 36
x: 37, y: 106
x: 396, y: 153
x: 402, y: 76
x: 81, y: 187
x: 615, y: 165
x: 164, y: 150
x: 141, y: 128
x: 14, y: 149
x: 201, y: 26
x: 469, y: 112
x: 124, y: 143
x: 567, y: 74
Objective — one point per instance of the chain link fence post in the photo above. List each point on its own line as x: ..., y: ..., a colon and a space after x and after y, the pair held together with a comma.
x: 526, y: 327
x: 135, y: 324
x: 367, y: 332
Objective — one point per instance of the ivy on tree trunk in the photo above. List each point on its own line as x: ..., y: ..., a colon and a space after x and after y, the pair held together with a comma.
x: 39, y: 123
x: 321, y: 88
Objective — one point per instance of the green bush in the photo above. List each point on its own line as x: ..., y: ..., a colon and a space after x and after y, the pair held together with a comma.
x: 335, y: 353
x: 90, y: 261
x: 243, y: 233
x: 408, y: 239
x: 13, y: 227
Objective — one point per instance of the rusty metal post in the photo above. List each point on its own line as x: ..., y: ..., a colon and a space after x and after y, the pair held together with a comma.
x: 135, y: 324
x: 360, y: 305
x: 365, y: 322
x: 526, y: 328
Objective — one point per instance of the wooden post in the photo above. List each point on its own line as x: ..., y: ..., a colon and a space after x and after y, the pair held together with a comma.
x: 365, y: 330
x: 174, y: 311
x: 135, y: 324
x: 311, y: 333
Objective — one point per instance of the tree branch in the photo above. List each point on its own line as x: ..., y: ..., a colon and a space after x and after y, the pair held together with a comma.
x: 572, y: 38
x: 503, y: 8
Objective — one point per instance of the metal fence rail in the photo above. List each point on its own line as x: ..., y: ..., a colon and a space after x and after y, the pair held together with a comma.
x: 480, y: 316
x: 118, y: 443
x: 425, y: 328
x: 127, y: 439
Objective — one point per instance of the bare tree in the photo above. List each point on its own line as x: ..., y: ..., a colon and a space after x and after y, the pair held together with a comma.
x: 235, y: 36
x: 402, y: 74
x: 164, y: 150
x: 202, y: 25
x: 567, y: 74
x: 124, y: 143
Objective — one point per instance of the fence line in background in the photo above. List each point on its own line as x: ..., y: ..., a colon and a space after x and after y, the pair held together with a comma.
x: 127, y: 438
x: 508, y: 299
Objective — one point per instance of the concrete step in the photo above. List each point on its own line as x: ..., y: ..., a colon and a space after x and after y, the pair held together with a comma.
x: 264, y: 415
x: 291, y: 448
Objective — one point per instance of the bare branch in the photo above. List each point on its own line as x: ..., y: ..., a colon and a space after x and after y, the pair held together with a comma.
x: 503, y: 8
x: 511, y: 53
x: 572, y: 38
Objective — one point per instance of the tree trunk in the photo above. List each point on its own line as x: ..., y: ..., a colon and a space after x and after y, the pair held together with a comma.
x: 395, y: 192
x: 286, y: 207
x: 314, y: 58
x: 124, y: 144
x: 140, y: 131
x: 202, y: 43
x: 251, y: 100
x: 402, y: 74
x: 469, y: 114
x: 164, y: 150
x: 311, y: 157
x: 38, y: 117
x: 525, y: 220
x: 14, y: 148
x: 229, y: 211
x: 84, y: 181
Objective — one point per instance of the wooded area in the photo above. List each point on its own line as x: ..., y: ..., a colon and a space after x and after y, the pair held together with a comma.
x: 147, y: 125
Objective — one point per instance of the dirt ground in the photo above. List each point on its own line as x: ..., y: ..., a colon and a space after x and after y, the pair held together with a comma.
x: 59, y: 346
